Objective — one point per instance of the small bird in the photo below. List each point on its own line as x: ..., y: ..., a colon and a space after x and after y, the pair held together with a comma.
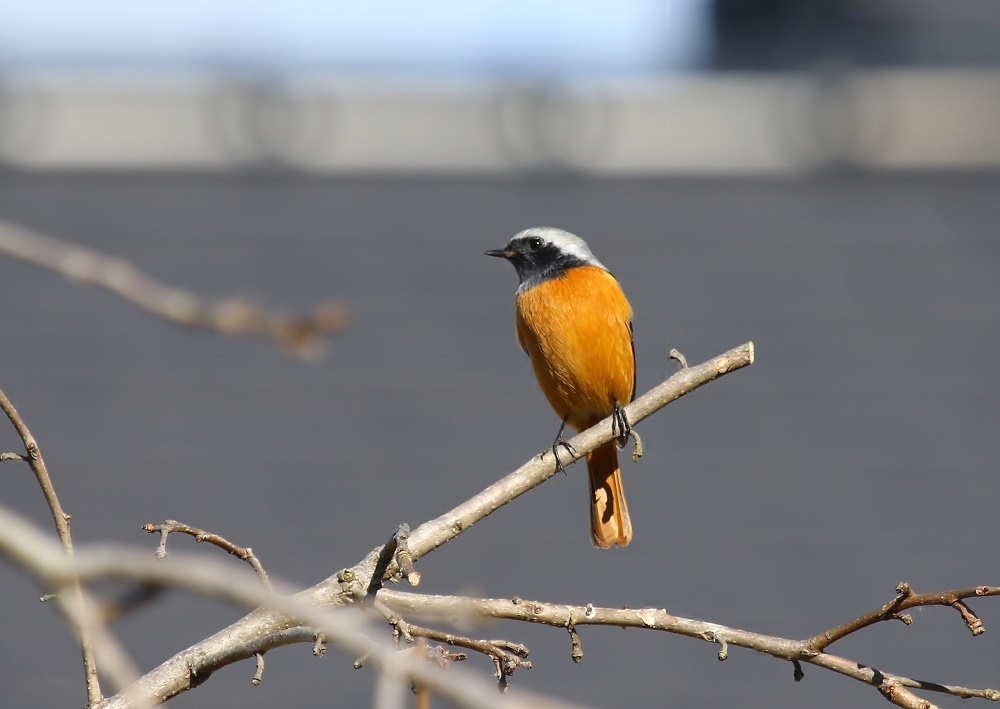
x: 575, y: 324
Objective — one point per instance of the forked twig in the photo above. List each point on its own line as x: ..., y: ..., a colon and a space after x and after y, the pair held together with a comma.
x: 200, y: 535
x: 33, y: 457
x: 906, y: 599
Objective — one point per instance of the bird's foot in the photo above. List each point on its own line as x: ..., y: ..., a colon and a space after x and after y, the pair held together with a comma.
x: 555, y: 451
x: 622, y: 429
x: 565, y: 444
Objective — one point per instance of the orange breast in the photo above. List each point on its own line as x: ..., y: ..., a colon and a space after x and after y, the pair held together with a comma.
x: 577, y: 332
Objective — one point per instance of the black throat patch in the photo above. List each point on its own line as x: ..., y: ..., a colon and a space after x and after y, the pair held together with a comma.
x: 534, y: 268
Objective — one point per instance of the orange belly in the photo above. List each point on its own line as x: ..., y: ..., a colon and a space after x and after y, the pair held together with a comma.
x: 577, y: 332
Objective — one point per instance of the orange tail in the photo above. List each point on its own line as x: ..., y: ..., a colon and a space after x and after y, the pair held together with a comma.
x: 609, y: 520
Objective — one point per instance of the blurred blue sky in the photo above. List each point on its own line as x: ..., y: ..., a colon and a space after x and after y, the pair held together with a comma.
x: 547, y: 37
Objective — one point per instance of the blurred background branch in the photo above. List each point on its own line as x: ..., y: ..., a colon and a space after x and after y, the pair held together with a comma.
x: 33, y: 457
x: 299, y: 335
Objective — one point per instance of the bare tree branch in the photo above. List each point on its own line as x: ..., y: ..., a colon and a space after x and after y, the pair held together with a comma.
x: 506, y: 656
x: 232, y: 644
x: 906, y: 599
x: 280, y: 620
x: 200, y: 535
x: 40, y: 556
x: 33, y: 457
x: 298, y: 335
x: 462, y: 610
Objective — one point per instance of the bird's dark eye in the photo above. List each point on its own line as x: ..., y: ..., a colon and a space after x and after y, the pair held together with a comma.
x: 534, y: 244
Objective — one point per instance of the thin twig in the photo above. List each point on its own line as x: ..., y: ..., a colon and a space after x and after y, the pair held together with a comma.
x: 319, y: 647
x: 33, y: 457
x: 576, y: 647
x: 200, y: 535
x: 397, y: 552
x: 506, y: 656
x: 400, y: 628
x: 905, y: 600
x: 299, y: 335
x: 258, y: 675
x: 403, y: 557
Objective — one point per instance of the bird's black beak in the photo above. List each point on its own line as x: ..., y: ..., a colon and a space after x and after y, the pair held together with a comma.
x: 500, y: 253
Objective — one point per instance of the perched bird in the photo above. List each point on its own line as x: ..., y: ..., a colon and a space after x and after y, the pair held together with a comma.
x: 575, y: 324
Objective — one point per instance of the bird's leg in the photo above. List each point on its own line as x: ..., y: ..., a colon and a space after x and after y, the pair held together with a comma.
x: 565, y: 444
x: 621, y: 428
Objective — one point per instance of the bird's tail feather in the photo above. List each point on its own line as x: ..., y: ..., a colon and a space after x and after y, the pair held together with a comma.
x: 609, y: 520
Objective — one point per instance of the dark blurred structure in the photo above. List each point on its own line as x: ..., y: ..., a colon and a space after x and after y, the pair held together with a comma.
x: 785, y: 35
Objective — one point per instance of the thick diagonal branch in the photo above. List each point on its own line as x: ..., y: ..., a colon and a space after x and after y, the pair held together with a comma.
x: 433, y: 534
